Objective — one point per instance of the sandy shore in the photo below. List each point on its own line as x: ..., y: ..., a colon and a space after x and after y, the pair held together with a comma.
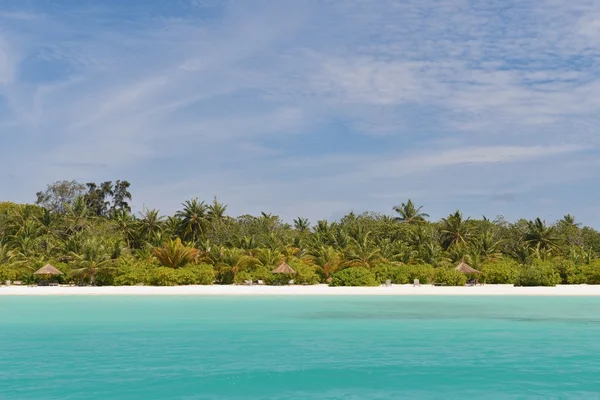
x: 317, y: 290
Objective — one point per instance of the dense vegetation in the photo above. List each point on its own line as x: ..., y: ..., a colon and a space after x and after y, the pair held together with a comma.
x: 89, y: 233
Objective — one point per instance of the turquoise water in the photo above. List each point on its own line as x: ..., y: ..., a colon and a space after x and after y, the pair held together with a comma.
x: 299, y: 348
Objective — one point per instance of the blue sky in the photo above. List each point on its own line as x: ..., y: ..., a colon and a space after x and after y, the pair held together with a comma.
x: 307, y: 108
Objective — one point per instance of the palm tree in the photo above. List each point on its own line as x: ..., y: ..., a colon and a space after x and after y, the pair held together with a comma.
x: 409, y: 213
x: 328, y: 258
x: 363, y: 252
x: 150, y: 224
x: 301, y: 225
x: 94, y: 259
x: 455, y: 230
x: 569, y: 220
x: 486, y: 246
x: 216, y: 211
x: 174, y: 254
x: 193, y: 219
x: 541, y: 238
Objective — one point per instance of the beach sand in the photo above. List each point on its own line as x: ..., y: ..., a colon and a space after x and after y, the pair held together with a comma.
x: 316, y: 290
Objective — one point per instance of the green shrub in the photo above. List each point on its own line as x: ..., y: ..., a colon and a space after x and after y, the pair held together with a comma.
x: 224, y: 275
x: 203, y: 274
x: 7, y: 274
x: 132, y: 272
x: 422, y: 272
x: 500, y: 272
x: 264, y: 274
x: 538, y: 274
x: 397, y: 274
x: 242, y: 276
x: 164, y: 276
x: 590, y: 274
x: 449, y: 276
x: 566, y: 269
x: 355, y: 276
x: 305, y: 274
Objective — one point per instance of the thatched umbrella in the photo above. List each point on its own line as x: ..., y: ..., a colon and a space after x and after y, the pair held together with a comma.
x: 466, y: 268
x: 284, y: 268
x: 46, y: 273
x: 48, y: 270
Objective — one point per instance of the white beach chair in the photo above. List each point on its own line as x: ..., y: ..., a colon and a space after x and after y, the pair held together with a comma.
x: 416, y: 283
x: 388, y: 283
x: 291, y: 282
x: 260, y: 282
x: 247, y: 282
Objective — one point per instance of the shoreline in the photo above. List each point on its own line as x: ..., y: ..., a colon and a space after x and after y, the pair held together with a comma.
x: 316, y: 290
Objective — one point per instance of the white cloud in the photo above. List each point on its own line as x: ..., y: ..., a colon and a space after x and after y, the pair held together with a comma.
x: 329, y: 105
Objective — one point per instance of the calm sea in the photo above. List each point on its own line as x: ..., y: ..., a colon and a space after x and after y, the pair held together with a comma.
x: 299, y: 348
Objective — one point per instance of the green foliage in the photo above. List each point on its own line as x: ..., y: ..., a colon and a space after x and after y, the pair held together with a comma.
x: 500, y: 272
x: 174, y: 254
x: 449, y: 276
x: 397, y: 274
x: 423, y: 272
x: 7, y: 274
x: 92, y: 234
x: 306, y: 274
x: 264, y: 274
x: 589, y: 274
x: 538, y: 274
x: 354, y: 276
x: 242, y: 277
x: 164, y: 276
x: 132, y: 272
x: 566, y: 270
x: 202, y: 274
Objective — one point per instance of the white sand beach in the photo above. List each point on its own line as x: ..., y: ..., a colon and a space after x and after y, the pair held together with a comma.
x: 316, y: 290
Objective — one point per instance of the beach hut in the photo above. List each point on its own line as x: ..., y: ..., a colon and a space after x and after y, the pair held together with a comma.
x: 284, y: 269
x: 47, y: 272
x: 467, y: 269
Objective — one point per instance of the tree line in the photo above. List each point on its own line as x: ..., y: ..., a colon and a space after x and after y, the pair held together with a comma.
x: 89, y: 232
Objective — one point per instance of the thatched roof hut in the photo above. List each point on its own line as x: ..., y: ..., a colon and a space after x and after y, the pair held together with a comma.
x: 284, y: 268
x: 466, y: 268
x: 47, y: 270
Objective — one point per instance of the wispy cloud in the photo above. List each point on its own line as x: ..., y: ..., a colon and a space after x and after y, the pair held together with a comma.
x: 307, y: 107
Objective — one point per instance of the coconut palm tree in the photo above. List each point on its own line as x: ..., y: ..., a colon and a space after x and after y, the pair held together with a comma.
x: 174, y: 254
x: 327, y: 258
x: 94, y: 259
x: 302, y: 225
x: 409, y: 213
x: 363, y: 252
x: 150, y: 224
x: 455, y: 230
x: 193, y: 219
x: 540, y: 237
x: 216, y: 211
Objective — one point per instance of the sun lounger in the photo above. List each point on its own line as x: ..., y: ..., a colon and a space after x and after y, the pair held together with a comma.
x: 291, y: 282
x: 247, y: 282
x: 388, y: 283
x: 416, y: 283
x: 16, y: 282
x: 260, y: 282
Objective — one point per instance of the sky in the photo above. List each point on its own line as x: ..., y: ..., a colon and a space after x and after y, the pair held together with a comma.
x: 309, y: 108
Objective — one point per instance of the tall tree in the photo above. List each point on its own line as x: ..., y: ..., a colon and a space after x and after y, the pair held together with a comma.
x: 409, y: 213
x: 193, y: 219
x: 121, y: 197
x: 59, y: 195
x: 98, y: 198
x: 455, y: 229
